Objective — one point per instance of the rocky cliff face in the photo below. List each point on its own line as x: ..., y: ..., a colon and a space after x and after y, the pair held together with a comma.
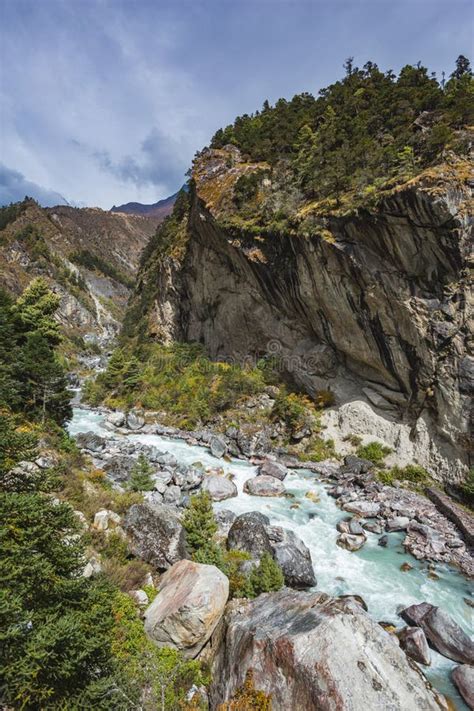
x: 90, y: 257
x: 372, y: 305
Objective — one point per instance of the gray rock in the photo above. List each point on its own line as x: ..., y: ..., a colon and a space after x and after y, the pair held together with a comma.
x: 224, y: 519
x: 218, y: 447
x: 167, y: 460
x: 293, y: 557
x: 463, y: 677
x: 355, y: 528
x: 248, y: 533
x: 442, y: 632
x: 91, y: 441
x: 383, y: 541
x: 272, y: 468
x: 187, y: 477
x: 189, y: 605
x: 219, y: 487
x: 356, y: 465
x: 120, y: 467
x: 134, y: 421
x: 399, y: 523
x: 155, y: 534
x: 314, y: 653
x: 350, y: 542
x: 365, y: 509
x: 172, y: 495
x: 413, y: 642
x: 373, y: 527
x: 116, y: 419
x: 264, y: 486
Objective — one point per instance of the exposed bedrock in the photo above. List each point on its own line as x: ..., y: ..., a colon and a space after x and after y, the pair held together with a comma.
x: 378, y: 313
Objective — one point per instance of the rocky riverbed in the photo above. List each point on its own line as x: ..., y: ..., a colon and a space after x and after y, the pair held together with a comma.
x: 328, y: 523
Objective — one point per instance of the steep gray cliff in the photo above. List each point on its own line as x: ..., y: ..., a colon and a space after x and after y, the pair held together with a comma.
x: 374, y: 307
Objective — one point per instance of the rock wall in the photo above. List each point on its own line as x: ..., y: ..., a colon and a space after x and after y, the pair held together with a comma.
x: 375, y: 309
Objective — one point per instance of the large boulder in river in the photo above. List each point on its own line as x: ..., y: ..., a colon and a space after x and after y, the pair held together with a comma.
x: 442, y: 632
x: 314, y: 653
x: 463, y: 677
x: 188, y: 607
x: 218, y: 446
x: 293, y: 557
x: 248, y: 533
x: 219, y: 487
x: 156, y: 534
x: 273, y: 468
x: 116, y: 419
x: 135, y: 421
x: 413, y: 642
x: 264, y: 485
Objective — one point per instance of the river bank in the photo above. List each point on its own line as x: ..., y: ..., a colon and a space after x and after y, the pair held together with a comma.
x: 387, y: 578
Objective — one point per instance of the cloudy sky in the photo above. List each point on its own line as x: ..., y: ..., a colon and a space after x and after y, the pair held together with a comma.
x: 106, y: 101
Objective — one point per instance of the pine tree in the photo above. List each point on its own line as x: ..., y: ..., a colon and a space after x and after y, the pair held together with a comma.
x: 199, y: 522
x: 267, y: 577
x: 140, y: 478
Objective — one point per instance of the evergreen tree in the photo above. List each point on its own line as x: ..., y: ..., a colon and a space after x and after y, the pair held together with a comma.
x: 267, y: 577
x: 463, y: 66
x: 140, y: 477
x: 199, y: 523
x: 55, y: 625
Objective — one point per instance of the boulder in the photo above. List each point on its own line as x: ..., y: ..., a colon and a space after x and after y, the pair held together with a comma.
x: 134, y: 421
x: 224, y: 519
x: 356, y: 465
x: 116, y: 419
x: 248, y: 533
x: 120, y: 467
x: 187, y: 608
x: 355, y: 528
x: 218, y: 446
x: 350, y: 542
x: 187, y: 477
x: 272, y: 468
x: 365, y: 509
x: 399, y: 523
x: 156, y: 534
x: 166, y: 459
x: 91, y: 441
x: 314, y: 653
x: 219, y: 487
x: 413, y: 642
x: 105, y: 519
x: 441, y: 631
x: 264, y: 486
x: 463, y: 677
x: 140, y: 597
x: 293, y: 557
x: 172, y: 495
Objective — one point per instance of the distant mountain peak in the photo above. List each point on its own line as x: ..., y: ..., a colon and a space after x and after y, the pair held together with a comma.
x: 160, y: 209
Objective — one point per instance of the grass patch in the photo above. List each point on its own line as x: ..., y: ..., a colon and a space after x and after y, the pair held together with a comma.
x: 374, y: 452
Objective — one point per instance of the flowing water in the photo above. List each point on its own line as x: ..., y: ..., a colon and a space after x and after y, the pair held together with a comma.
x: 373, y: 572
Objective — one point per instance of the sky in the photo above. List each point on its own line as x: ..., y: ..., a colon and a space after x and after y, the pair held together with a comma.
x: 106, y: 101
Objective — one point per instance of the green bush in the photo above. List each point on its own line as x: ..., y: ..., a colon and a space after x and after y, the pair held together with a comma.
x: 412, y: 473
x: 374, y: 452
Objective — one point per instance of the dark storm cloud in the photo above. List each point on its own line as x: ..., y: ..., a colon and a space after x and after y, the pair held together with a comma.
x: 14, y: 187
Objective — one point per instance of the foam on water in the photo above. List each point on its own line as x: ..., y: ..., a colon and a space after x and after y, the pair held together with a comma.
x: 373, y: 572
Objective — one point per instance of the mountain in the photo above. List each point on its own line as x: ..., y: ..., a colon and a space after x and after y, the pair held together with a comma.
x: 89, y: 256
x: 347, y: 264
x: 159, y: 210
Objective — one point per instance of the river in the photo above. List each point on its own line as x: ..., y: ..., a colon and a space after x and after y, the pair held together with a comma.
x: 373, y: 572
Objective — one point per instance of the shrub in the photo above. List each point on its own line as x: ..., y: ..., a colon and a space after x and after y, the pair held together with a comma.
x: 247, y: 698
x: 374, y: 452
x: 412, y: 473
